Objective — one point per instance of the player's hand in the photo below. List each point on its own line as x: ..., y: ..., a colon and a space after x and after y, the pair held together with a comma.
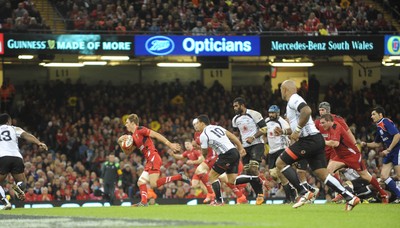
x: 384, y: 153
x: 170, y: 152
x: 189, y: 162
x: 278, y: 131
x: 295, y: 136
x: 119, y: 183
x: 176, y: 147
x: 43, y: 146
x: 249, y: 140
x: 242, y: 152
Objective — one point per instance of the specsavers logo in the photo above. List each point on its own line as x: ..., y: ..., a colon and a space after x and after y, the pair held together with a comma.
x: 393, y: 45
x: 1, y: 44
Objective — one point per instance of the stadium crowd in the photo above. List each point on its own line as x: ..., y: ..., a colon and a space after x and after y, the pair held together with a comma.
x: 81, y: 123
x: 201, y: 17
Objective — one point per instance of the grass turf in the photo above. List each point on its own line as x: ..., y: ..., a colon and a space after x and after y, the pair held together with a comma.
x: 326, y: 215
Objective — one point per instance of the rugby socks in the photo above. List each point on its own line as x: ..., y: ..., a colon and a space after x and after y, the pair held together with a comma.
x: 166, y: 180
x: 290, y: 197
x: 235, y: 190
x: 217, y: 190
x: 253, y: 180
x: 292, y: 177
x: 335, y: 185
x: 392, y: 186
x: 337, y: 176
x: 374, y: 182
x: 3, y: 197
x: 143, y: 193
x: 307, y: 186
x: 204, y: 179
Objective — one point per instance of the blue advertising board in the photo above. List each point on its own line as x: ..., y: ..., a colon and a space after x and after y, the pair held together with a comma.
x: 197, y: 45
x: 392, y: 45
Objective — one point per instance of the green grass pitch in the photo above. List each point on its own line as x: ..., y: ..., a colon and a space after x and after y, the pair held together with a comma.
x: 326, y: 215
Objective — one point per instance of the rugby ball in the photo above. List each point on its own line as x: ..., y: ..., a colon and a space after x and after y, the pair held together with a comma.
x: 126, y: 143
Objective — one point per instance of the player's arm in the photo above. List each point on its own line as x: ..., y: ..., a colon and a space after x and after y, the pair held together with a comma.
x: 30, y: 138
x: 395, y: 141
x: 343, y: 123
x: 305, y: 113
x: 176, y: 156
x: 375, y: 144
x: 332, y: 143
x: 392, y: 130
x: 336, y: 134
x: 237, y: 142
x: 261, y: 125
x: 371, y: 144
x: 285, y: 130
x: 174, y: 146
x: 353, y: 138
x: 199, y: 160
x: 204, y: 144
x: 263, y: 129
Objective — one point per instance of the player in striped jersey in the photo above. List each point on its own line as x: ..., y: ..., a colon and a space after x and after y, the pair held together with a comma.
x: 220, y: 140
x: 277, y: 144
x: 11, y: 160
x: 308, y: 144
x: 251, y: 126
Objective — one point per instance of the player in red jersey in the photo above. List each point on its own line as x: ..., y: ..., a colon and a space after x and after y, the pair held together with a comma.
x: 204, y: 168
x: 151, y: 174
x: 325, y: 108
x: 195, y: 157
x: 346, y: 153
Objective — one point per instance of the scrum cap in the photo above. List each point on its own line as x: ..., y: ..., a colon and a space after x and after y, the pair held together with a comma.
x: 325, y: 105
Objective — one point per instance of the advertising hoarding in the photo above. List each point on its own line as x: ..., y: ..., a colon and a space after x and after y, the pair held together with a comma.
x: 322, y: 45
x: 197, y: 45
x: 83, y: 44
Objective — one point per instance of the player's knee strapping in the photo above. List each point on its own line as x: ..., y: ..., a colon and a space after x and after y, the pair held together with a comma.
x: 246, y: 168
x: 21, y: 185
x: 254, y: 164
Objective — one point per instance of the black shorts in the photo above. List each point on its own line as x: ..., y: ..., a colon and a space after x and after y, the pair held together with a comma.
x: 228, y: 162
x: 302, y: 164
x: 254, y: 152
x: 273, y: 157
x: 310, y: 148
x: 11, y: 164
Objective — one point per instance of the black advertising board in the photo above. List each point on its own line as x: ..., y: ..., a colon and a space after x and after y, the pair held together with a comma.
x: 322, y: 45
x: 82, y: 44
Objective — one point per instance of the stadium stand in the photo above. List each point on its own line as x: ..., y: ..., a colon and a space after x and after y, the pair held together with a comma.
x: 217, y: 17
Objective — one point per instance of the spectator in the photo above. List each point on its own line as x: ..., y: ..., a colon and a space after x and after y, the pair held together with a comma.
x: 199, y: 30
x: 20, y: 11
